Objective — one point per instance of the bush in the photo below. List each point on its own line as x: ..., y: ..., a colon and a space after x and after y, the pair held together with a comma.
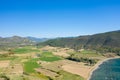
x: 81, y: 59
x: 3, y: 76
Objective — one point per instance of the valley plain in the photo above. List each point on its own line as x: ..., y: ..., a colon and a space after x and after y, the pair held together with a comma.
x: 31, y: 63
x: 56, y: 59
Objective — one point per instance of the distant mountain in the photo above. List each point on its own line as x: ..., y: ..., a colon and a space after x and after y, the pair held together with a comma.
x: 14, y: 41
x: 34, y: 39
x: 108, y: 39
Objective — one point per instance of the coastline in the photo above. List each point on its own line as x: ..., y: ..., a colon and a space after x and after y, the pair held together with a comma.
x: 96, y: 66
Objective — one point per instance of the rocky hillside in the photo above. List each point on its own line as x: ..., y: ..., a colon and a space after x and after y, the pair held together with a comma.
x: 14, y: 41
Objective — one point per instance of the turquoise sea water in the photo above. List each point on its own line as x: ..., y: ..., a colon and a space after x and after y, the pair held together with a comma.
x: 108, y: 70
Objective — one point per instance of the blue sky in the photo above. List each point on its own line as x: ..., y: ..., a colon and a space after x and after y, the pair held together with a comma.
x: 58, y: 18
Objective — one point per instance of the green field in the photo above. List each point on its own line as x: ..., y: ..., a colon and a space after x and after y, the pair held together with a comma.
x: 24, y: 50
x: 30, y: 65
x: 48, y: 56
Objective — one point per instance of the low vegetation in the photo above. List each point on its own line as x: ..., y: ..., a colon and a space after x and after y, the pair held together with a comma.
x: 48, y: 56
x: 7, y: 57
x: 68, y: 76
x: 85, y: 60
x: 30, y: 65
x: 86, y: 56
x: 4, y: 77
x: 24, y: 50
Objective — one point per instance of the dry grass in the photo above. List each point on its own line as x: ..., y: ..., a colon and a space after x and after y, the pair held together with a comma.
x: 16, y: 69
x: 47, y: 72
x: 79, y: 69
x: 3, y: 52
x: 4, y: 64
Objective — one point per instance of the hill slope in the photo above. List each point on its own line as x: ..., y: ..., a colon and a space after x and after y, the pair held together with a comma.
x: 14, y: 41
x: 108, y: 39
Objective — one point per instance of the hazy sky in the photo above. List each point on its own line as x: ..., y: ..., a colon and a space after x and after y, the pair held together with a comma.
x: 58, y: 18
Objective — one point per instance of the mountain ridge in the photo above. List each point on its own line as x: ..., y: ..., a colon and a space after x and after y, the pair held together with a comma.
x: 108, y: 39
x: 14, y: 41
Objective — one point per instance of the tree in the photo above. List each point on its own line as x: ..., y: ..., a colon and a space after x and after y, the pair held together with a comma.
x: 92, y: 62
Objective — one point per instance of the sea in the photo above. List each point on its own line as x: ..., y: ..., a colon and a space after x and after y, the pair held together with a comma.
x: 108, y: 70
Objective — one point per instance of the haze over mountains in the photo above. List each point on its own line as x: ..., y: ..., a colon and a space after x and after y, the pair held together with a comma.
x: 17, y: 41
x: 34, y: 39
x: 108, y: 39
x: 14, y: 41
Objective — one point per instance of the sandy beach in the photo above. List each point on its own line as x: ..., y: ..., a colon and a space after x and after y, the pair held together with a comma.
x: 97, y: 65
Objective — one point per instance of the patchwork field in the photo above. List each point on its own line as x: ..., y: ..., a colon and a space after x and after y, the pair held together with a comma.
x: 46, y: 63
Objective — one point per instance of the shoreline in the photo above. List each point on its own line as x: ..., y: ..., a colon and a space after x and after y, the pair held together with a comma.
x: 96, y: 66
